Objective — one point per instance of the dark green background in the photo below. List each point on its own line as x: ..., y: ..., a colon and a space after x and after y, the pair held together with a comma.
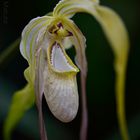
x: 101, y: 76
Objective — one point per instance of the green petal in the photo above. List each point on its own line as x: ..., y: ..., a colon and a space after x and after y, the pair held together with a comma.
x: 117, y: 36
x: 21, y: 102
x: 96, y: 1
x: 69, y: 8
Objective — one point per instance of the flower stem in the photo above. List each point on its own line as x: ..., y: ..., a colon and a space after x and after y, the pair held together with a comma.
x: 9, y: 51
x: 84, y: 121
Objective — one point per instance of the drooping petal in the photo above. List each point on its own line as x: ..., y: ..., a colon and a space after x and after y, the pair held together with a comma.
x: 60, y: 87
x: 117, y: 36
x: 39, y: 89
x: 79, y: 42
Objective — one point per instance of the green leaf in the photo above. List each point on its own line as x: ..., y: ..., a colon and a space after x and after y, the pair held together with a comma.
x: 21, y: 102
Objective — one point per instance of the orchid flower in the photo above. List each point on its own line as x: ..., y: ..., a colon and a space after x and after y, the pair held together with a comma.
x: 52, y: 73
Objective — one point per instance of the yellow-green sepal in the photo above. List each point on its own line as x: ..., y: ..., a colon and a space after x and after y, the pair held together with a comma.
x: 21, y: 102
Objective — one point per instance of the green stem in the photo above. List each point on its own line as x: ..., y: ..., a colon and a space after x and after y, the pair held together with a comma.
x: 8, y: 52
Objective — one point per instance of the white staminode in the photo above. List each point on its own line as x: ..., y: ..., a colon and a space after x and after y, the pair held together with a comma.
x: 59, y: 60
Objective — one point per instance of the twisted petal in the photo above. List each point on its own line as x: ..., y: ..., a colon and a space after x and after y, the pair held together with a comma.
x: 117, y: 36
x: 78, y: 40
x: 60, y: 86
x: 69, y: 8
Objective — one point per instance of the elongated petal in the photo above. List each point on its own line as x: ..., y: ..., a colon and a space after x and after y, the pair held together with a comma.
x: 21, y: 102
x: 60, y: 84
x: 116, y: 33
x: 117, y: 36
x: 39, y: 89
x: 79, y: 42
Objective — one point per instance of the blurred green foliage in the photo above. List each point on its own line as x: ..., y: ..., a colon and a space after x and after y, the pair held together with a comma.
x: 100, y: 83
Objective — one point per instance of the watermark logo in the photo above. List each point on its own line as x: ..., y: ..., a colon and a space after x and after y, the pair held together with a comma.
x: 4, y: 11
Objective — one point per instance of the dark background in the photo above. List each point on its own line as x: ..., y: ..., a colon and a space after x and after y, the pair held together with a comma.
x: 15, y: 14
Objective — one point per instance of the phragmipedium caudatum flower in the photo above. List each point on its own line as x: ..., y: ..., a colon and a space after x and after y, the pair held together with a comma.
x: 53, y: 74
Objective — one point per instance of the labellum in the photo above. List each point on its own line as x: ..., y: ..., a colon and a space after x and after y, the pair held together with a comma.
x: 60, y: 86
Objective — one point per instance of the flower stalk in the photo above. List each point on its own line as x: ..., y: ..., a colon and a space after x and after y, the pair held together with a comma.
x: 9, y: 51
